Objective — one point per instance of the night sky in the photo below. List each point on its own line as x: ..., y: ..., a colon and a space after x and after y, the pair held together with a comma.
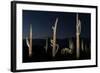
x: 42, y: 22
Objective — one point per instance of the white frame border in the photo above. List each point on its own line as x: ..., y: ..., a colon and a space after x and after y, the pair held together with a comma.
x: 39, y: 65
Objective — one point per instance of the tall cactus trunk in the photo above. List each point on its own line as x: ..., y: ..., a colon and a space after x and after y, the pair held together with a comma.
x: 77, y: 49
x: 29, y: 42
x: 71, y: 46
x: 78, y: 31
x: 82, y: 45
x: 46, y: 46
x: 53, y: 41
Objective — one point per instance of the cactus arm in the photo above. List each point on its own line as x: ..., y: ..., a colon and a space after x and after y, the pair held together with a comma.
x: 53, y: 28
x: 46, y: 46
x: 71, y: 47
x: 56, y: 23
x: 27, y: 42
x: 79, y: 27
x: 30, y: 48
x: 57, y: 48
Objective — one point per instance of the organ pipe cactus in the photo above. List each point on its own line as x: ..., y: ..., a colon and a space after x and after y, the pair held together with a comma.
x: 78, y: 31
x: 29, y: 42
x: 54, y: 45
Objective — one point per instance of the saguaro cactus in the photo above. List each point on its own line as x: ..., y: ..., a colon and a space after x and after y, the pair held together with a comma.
x: 82, y: 45
x: 78, y: 31
x: 71, y: 46
x: 54, y: 45
x: 29, y: 42
x: 46, y: 45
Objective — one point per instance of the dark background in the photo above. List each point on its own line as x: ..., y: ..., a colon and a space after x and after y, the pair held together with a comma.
x: 42, y: 22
